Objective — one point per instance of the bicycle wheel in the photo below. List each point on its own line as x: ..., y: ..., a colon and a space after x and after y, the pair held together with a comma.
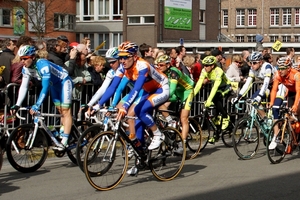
x: 77, y: 128
x: 106, y: 161
x: 276, y: 155
x: 227, y: 135
x: 245, y: 138
x: 83, y: 142
x: 164, y: 163
x: 205, y: 130
x: 28, y: 159
x: 194, y: 139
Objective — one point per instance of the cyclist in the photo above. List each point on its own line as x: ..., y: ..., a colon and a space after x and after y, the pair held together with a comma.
x: 182, y: 87
x: 220, y: 90
x: 112, y: 58
x: 290, y: 78
x: 146, y: 77
x: 259, y: 71
x: 53, y: 78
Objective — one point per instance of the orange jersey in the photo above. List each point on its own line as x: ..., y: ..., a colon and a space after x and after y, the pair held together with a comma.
x: 291, y: 81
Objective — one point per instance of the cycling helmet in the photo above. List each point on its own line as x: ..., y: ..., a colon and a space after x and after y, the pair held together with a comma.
x: 255, y: 56
x: 163, y: 59
x: 112, y: 54
x: 127, y: 48
x: 284, y: 61
x: 209, y: 60
x: 26, y: 50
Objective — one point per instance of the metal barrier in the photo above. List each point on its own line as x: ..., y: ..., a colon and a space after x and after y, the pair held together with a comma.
x: 11, y: 93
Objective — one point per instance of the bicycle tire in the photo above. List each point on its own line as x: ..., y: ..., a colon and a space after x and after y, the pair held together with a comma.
x: 277, y: 155
x: 245, y: 139
x: 205, y: 130
x: 164, y: 163
x: 227, y: 135
x: 194, y: 139
x: 37, y: 154
x: 83, y: 142
x: 74, y: 137
x: 102, y: 172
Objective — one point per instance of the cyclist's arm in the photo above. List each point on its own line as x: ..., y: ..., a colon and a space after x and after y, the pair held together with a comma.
x: 45, y: 74
x: 137, y: 87
x: 23, y: 88
x: 173, y: 81
x: 274, y: 91
x: 108, y: 79
x: 119, y: 91
x: 110, y: 90
x: 297, y: 98
x: 267, y: 79
x: 200, y: 82
x: 246, y: 87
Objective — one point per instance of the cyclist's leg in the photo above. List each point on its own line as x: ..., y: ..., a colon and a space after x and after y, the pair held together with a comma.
x: 63, y: 102
x: 145, y: 106
x: 185, y: 112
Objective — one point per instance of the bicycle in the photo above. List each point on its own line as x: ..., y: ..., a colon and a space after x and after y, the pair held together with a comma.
x: 287, y: 139
x: 208, y: 125
x: 102, y: 123
x: 249, y: 130
x: 194, y: 138
x: 27, y: 146
x: 106, y: 160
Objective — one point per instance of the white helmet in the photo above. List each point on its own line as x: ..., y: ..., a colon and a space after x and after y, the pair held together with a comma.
x: 112, y: 54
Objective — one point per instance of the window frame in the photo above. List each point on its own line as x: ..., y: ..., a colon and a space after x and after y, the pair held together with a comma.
x: 9, y: 17
x: 141, y: 19
x: 297, y: 17
x: 286, y: 14
x: 225, y: 18
x: 274, y: 17
x: 252, y: 17
x: 66, y: 19
x: 240, y: 17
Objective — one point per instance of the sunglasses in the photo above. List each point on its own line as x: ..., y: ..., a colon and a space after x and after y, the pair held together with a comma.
x: 25, y: 58
x: 239, y: 62
x: 113, y: 62
x: 254, y: 63
x: 161, y: 65
x: 282, y: 68
x: 125, y: 57
x: 208, y: 65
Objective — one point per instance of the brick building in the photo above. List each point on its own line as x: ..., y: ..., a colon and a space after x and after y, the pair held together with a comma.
x: 55, y: 18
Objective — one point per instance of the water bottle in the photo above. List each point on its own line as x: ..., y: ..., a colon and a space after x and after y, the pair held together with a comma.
x: 269, y: 122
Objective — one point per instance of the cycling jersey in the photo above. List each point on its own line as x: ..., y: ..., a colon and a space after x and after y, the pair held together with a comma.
x: 265, y: 74
x: 292, y: 83
x: 220, y: 82
x: 52, y: 76
x: 181, y: 86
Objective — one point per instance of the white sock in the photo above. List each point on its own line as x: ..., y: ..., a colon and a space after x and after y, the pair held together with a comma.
x: 64, y: 139
x: 157, y: 132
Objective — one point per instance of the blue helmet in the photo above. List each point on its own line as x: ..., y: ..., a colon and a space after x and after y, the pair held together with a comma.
x: 26, y: 50
x: 112, y: 54
x: 255, y: 56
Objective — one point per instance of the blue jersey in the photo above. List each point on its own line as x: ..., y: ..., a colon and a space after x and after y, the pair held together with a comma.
x: 49, y: 73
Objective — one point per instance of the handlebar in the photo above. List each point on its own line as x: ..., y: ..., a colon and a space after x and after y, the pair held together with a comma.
x: 22, y: 108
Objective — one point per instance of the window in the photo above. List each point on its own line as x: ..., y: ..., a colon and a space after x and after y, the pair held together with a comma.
x: 274, y: 17
x: 297, y: 16
x: 225, y: 18
x: 202, y: 16
x: 140, y: 20
x: 64, y: 21
x: 240, y: 17
x: 239, y: 39
x: 5, y: 17
x: 286, y: 16
x: 273, y: 38
x: 251, y: 39
x: 252, y: 17
x: 297, y: 38
x: 286, y: 38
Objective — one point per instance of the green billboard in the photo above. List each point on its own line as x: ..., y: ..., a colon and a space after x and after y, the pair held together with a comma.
x: 178, y: 14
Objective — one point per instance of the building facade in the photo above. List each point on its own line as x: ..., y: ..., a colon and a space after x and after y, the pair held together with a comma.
x: 37, y: 19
